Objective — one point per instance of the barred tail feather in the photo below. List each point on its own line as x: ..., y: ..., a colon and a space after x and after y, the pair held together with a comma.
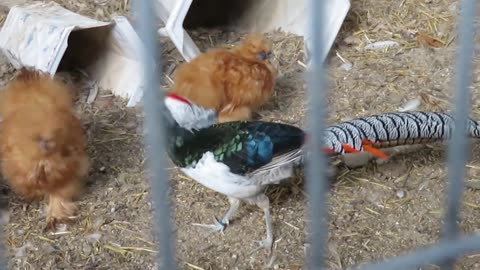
x: 392, y: 129
x: 473, y: 128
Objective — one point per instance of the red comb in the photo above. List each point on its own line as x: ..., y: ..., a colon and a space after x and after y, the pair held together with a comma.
x: 179, y: 98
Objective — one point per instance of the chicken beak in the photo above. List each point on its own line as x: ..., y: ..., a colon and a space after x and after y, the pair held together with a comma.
x: 46, y: 145
x: 265, y: 56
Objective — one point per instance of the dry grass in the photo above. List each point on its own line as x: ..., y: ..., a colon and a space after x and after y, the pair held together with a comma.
x: 376, y: 210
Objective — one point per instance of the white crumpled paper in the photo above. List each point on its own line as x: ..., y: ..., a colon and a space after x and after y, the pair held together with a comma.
x: 36, y: 35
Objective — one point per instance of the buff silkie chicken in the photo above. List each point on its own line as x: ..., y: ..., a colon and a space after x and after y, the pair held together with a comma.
x: 43, y: 144
x: 234, y: 82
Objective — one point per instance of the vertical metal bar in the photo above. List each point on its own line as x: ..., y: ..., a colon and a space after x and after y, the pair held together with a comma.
x: 457, y: 148
x: 4, y: 219
x: 155, y: 139
x: 316, y: 166
x: 3, y: 257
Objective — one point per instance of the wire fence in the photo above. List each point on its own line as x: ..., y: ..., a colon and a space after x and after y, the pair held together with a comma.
x: 445, y: 252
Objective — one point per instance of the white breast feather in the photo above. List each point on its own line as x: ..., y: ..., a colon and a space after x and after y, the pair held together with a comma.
x: 217, y: 176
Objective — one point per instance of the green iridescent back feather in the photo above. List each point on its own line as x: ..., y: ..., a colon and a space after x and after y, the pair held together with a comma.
x: 223, y: 140
x: 243, y: 146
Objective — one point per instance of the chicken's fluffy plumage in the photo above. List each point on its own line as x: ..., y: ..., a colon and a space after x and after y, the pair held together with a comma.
x: 42, y: 142
x: 233, y: 81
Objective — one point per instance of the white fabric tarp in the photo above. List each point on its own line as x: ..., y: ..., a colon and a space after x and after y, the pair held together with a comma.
x: 37, y: 34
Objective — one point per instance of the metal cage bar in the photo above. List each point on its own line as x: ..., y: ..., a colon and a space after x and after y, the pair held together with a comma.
x: 457, y: 150
x: 457, y: 155
x: 3, y: 257
x: 316, y: 180
x: 437, y: 253
x: 155, y: 139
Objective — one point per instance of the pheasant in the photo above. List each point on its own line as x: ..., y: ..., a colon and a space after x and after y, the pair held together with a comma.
x: 239, y: 159
x: 236, y: 159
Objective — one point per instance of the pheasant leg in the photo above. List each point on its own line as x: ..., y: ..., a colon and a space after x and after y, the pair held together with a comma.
x: 220, y: 225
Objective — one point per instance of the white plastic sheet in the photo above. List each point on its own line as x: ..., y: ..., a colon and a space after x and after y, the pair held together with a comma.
x: 37, y: 34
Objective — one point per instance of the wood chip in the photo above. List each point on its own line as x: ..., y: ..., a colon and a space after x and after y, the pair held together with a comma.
x: 92, y: 95
x: 428, y: 99
x: 425, y: 40
x: 381, y: 45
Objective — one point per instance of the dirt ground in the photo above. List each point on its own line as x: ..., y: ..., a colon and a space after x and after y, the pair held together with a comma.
x: 376, y: 211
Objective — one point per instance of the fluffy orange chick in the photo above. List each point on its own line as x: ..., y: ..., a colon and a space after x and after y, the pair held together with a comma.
x: 234, y: 82
x: 42, y: 143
